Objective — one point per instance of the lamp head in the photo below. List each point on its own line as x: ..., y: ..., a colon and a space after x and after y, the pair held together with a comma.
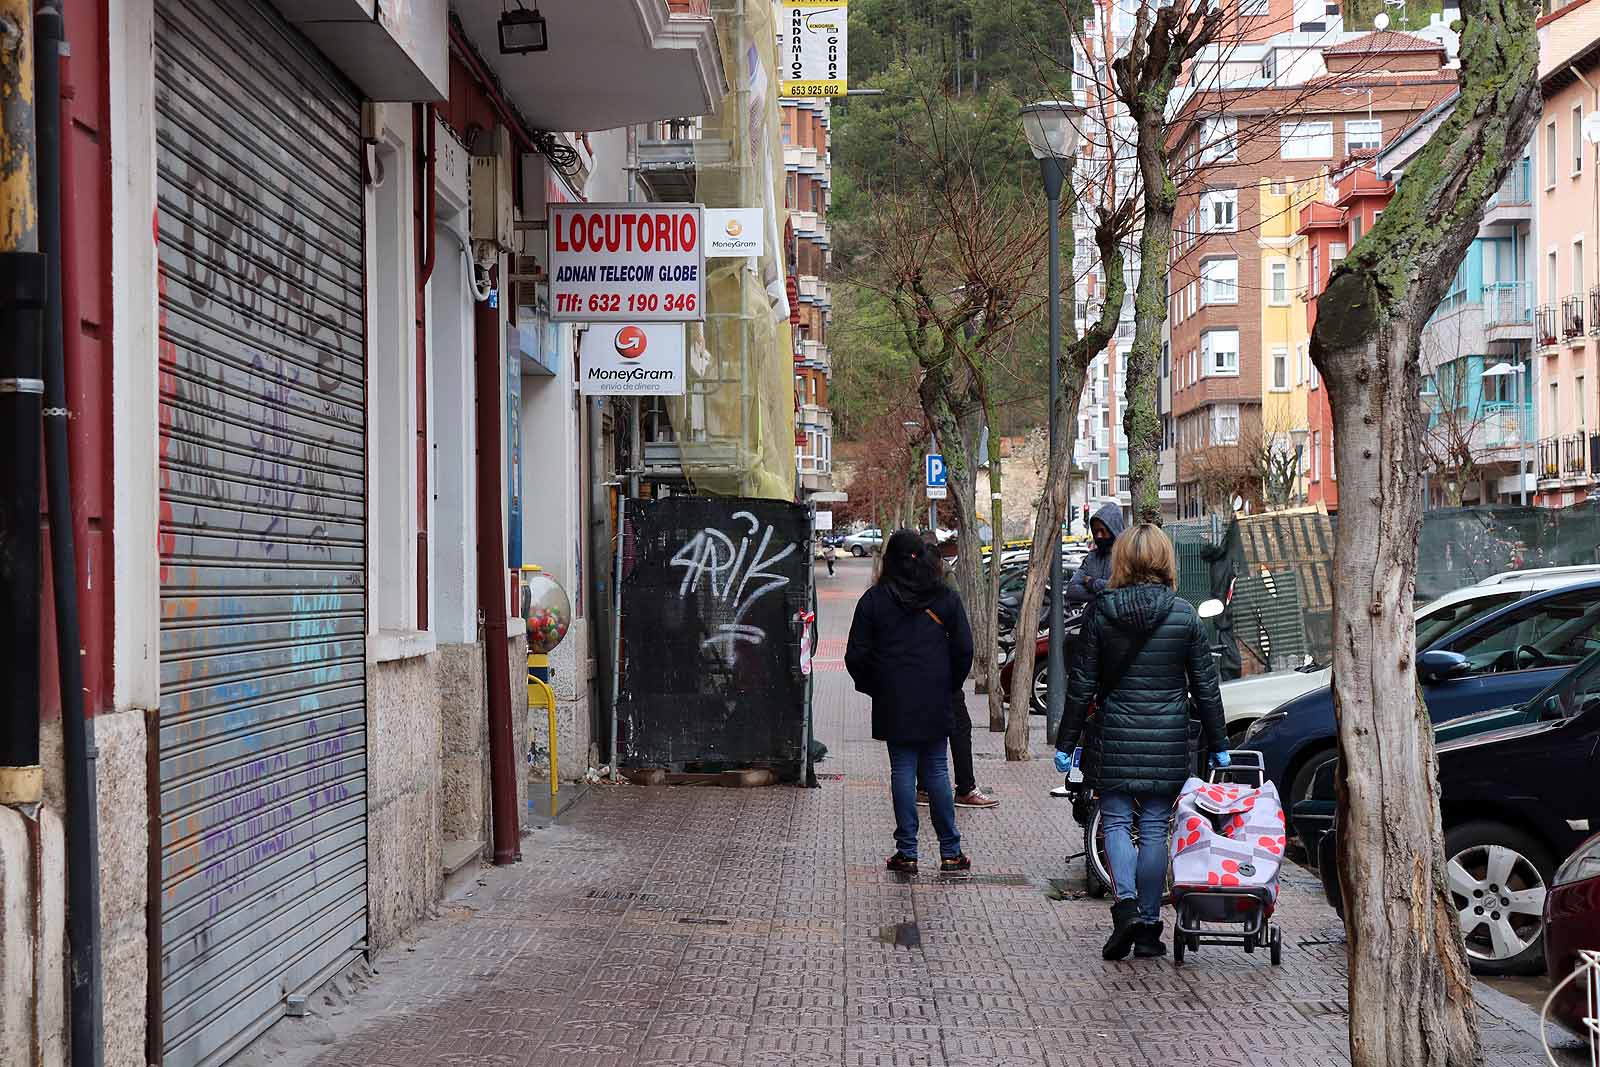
x: 1052, y: 128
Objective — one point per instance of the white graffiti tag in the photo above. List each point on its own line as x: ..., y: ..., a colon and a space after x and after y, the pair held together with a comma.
x: 732, y: 574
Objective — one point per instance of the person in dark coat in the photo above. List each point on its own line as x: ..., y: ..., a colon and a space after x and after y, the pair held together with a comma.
x: 910, y: 649
x: 1089, y: 581
x: 1146, y: 657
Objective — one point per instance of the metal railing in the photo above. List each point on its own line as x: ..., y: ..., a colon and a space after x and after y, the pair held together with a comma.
x: 1502, y: 424
x: 1517, y: 189
x: 1544, y: 326
x: 1572, y: 310
x: 1575, y: 455
x: 673, y: 130
x: 1549, y: 458
x: 1507, y: 304
x: 1594, y: 310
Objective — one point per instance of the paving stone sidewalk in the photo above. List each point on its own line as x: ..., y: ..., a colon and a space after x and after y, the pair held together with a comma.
x: 702, y: 926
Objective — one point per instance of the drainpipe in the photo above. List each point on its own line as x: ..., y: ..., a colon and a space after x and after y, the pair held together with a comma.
x: 489, y: 335
x: 23, y: 293
x: 77, y: 730
x: 424, y: 130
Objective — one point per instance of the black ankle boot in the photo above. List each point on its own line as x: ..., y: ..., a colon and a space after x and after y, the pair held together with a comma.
x: 1124, y: 927
x: 1147, y: 943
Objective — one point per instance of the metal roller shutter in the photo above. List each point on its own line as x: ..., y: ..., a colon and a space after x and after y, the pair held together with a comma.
x: 263, y: 605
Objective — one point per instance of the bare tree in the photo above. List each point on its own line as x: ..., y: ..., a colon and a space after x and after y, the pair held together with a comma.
x: 1077, y: 353
x: 957, y: 255
x: 1411, y: 1000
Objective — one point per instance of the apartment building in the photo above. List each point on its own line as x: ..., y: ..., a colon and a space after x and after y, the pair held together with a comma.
x: 1242, y: 149
x: 1564, y: 380
x: 808, y: 181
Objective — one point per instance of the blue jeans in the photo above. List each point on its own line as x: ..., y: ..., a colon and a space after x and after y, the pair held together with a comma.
x: 924, y: 759
x: 1142, y: 877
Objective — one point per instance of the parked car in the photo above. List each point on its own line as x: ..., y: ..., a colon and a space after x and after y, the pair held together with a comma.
x: 1248, y: 699
x: 863, y: 542
x: 1498, y: 660
x: 1572, y: 925
x: 1517, y: 801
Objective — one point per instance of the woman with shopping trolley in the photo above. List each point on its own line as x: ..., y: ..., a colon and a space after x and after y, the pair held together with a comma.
x: 1145, y: 669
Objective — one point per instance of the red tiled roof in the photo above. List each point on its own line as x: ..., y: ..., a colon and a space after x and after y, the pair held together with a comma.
x: 1382, y: 42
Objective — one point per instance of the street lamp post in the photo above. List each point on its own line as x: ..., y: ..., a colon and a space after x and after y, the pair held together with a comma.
x: 1519, y: 401
x: 1051, y: 127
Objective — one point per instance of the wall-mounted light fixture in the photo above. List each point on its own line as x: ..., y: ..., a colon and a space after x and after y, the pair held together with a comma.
x: 523, y: 31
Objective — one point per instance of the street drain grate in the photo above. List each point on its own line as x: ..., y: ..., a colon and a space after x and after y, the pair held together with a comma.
x: 901, y: 935
x: 830, y: 777
x: 695, y: 920
x: 1006, y: 880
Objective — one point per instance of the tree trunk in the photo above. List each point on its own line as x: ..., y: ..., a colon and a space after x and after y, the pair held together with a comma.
x: 1076, y: 355
x: 1140, y: 421
x: 997, y: 709
x: 1411, y: 1002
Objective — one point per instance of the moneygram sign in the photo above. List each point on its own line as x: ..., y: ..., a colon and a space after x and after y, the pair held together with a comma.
x: 627, y: 263
x: 636, y: 359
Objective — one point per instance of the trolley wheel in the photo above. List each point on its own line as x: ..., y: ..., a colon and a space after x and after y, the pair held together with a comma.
x: 1179, y: 945
x: 1250, y: 944
x: 1277, y: 947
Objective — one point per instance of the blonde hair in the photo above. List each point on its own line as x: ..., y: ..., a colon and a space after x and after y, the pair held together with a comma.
x: 1143, y: 555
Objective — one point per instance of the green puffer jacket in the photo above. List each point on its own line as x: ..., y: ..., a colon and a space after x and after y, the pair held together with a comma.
x: 1138, y: 741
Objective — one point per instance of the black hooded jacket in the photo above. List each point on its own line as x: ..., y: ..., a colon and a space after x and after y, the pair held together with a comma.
x: 910, y: 649
x: 1096, y: 565
x: 1139, y: 741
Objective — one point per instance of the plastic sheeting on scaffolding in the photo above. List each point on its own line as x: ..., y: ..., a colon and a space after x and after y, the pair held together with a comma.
x: 735, y: 421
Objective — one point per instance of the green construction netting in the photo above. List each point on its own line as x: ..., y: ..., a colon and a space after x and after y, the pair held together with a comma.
x: 735, y: 423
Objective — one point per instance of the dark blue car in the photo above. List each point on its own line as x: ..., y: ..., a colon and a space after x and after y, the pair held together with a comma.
x: 1500, y: 660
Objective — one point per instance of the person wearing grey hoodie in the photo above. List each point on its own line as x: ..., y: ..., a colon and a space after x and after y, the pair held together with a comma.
x: 1090, y: 579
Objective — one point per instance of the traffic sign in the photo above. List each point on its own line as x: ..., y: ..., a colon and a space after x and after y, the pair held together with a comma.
x: 936, y: 473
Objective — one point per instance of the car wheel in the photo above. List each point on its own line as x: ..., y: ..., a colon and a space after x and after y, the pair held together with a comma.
x: 1300, y: 789
x: 1039, y: 703
x: 857, y: 551
x: 1498, y: 879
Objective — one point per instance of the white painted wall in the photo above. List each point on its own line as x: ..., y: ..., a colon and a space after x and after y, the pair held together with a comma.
x: 453, y: 523
x: 135, y: 393
x: 391, y: 396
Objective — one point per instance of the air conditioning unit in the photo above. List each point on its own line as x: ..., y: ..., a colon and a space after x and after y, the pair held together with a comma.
x: 491, y: 214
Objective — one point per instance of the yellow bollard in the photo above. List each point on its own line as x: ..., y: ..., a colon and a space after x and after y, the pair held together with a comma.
x: 541, y: 693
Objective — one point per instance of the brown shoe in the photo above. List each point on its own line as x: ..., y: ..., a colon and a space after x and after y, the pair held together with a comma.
x: 902, y: 864
x: 957, y: 864
x: 976, y: 799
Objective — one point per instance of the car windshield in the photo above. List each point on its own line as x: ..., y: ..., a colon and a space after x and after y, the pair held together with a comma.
x: 1440, y: 623
x: 1551, y: 631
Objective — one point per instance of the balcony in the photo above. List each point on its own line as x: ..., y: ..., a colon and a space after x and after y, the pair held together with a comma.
x: 1513, y: 201
x: 670, y: 152
x: 1508, y: 306
x: 1500, y: 426
x: 1544, y: 326
x: 1575, y: 457
x: 799, y: 157
x: 1549, y: 467
x: 808, y: 284
x: 805, y: 223
x: 1594, y: 311
x: 1572, y: 310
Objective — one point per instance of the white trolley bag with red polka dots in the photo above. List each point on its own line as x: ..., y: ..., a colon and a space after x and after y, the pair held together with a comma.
x: 1227, y: 848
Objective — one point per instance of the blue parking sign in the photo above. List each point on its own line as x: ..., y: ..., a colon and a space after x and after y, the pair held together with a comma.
x: 936, y: 476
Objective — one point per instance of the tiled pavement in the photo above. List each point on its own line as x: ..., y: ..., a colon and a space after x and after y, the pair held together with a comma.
x: 691, y: 926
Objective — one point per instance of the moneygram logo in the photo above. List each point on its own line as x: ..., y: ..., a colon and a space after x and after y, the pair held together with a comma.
x: 631, y: 342
x: 733, y: 229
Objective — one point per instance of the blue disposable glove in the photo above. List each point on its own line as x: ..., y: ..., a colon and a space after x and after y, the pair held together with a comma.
x: 1221, y: 759
x: 1064, y: 762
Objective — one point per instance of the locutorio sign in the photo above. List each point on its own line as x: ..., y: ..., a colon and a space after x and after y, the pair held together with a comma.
x: 627, y: 263
x: 814, y: 38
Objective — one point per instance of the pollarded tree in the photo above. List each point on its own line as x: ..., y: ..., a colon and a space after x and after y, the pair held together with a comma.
x: 1411, y: 1002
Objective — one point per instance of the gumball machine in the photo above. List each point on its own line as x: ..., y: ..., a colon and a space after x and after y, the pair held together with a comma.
x: 547, y: 611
